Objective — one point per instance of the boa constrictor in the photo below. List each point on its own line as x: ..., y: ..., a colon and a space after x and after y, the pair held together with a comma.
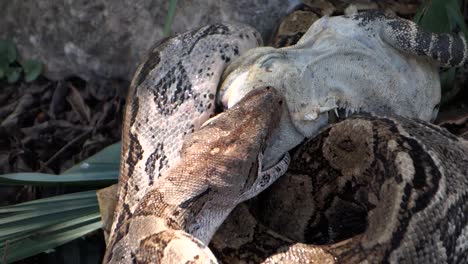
x: 160, y: 210
x: 172, y: 95
x: 365, y: 190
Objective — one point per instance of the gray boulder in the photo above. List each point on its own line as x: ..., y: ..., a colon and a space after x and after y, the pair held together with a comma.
x: 106, y: 38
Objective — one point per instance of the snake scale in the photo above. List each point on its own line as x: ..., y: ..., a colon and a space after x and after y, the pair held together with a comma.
x: 170, y: 97
x: 369, y: 190
x: 172, y: 198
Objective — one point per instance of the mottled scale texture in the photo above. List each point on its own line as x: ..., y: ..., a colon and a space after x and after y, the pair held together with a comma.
x: 171, y: 95
x: 219, y: 167
x: 365, y: 190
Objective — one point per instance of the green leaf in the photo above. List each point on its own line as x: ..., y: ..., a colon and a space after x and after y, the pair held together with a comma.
x: 106, y: 160
x: 65, y: 200
x: 421, y: 11
x: 447, y: 81
x: 453, y: 11
x: 441, y: 16
x: 38, y: 226
x: 169, y: 18
x: 99, y: 170
x: 39, y: 213
x: 96, y: 179
x: 435, y: 18
x: 32, y: 69
x: 13, y: 74
x: 8, y: 52
x: 46, y: 226
x: 33, y: 227
x: 19, y: 223
x: 56, y: 199
x: 42, y: 242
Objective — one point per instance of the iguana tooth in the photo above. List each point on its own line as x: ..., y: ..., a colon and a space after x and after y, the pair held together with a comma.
x: 336, y: 113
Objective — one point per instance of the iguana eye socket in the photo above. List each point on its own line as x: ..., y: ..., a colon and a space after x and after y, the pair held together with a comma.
x: 268, y: 61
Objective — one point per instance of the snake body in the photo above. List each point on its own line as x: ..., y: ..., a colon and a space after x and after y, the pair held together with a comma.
x: 365, y: 190
x: 172, y: 198
x: 220, y: 167
x: 171, y: 95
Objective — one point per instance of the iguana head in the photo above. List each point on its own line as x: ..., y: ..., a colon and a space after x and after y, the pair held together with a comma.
x: 317, y: 87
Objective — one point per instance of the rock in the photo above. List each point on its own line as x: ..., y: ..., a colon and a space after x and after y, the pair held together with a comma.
x: 107, y: 38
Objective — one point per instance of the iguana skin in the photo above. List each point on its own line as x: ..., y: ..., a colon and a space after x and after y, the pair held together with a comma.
x: 366, y: 62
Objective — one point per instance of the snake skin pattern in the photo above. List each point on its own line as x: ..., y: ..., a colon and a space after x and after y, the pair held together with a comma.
x: 219, y: 167
x: 172, y: 95
x: 365, y: 190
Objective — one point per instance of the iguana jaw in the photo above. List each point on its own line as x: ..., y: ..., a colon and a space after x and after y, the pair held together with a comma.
x: 305, y: 113
x: 297, y: 121
x: 295, y: 127
x: 308, y: 118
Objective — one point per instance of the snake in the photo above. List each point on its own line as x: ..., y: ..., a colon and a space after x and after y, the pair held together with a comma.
x: 171, y: 96
x: 184, y: 168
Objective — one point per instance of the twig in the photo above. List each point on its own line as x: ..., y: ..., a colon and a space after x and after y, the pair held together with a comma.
x: 69, y: 144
